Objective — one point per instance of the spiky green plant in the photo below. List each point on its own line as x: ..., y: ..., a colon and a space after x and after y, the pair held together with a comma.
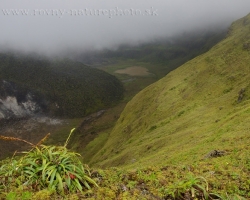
x: 194, y: 187
x: 55, y: 167
x: 52, y: 167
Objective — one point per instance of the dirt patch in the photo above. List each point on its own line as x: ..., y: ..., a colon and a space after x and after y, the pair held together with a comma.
x: 134, y: 71
x: 29, y: 129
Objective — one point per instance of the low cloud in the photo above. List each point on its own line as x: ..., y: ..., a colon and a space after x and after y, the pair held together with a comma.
x: 54, y: 26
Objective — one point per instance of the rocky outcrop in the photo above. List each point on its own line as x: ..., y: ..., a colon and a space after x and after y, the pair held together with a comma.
x: 17, y: 102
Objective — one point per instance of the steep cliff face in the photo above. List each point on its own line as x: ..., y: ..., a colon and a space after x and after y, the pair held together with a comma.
x: 201, y: 106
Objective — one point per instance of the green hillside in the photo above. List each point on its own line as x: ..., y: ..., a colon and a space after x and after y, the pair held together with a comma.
x: 70, y: 89
x: 158, y: 56
x: 203, y: 105
x: 185, y: 137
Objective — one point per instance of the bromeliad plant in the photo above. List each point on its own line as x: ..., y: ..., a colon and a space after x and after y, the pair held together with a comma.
x: 52, y: 167
x: 191, y: 188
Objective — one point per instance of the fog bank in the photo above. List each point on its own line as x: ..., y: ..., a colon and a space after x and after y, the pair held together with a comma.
x: 54, y: 26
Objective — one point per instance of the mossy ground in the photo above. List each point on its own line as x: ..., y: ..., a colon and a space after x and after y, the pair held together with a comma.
x: 225, y: 177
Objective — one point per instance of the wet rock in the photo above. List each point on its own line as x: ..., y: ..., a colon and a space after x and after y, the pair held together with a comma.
x: 215, y: 153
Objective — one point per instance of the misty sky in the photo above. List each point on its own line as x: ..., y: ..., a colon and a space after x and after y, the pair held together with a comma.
x: 52, y: 26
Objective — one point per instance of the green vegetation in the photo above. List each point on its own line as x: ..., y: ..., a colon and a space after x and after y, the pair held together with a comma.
x: 187, y: 114
x: 110, y: 61
x: 51, y: 168
x: 203, y: 105
x: 69, y: 89
x: 210, y: 178
x: 203, y: 180
x: 159, y: 56
x: 183, y: 137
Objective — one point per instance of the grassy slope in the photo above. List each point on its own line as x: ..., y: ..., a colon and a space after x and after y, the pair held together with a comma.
x: 188, y: 113
x: 159, y: 57
x: 181, y: 49
x: 177, y: 120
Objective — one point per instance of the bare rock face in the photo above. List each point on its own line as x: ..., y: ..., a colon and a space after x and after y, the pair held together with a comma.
x: 16, y: 102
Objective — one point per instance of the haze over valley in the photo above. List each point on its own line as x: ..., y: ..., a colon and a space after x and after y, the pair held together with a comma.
x: 124, y: 99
